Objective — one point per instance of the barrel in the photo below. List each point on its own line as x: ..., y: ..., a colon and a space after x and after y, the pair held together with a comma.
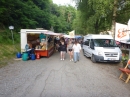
x: 33, y: 57
x: 18, y: 55
x: 25, y: 56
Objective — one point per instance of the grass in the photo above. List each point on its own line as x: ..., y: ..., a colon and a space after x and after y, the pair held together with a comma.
x: 7, y: 53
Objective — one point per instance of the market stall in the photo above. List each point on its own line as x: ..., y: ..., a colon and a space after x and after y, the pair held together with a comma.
x: 122, y: 36
x: 42, y: 41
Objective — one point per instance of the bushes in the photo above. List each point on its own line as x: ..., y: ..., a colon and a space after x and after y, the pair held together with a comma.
x: 7, y: 49
x: 6, y: 37
x: 125, y: 57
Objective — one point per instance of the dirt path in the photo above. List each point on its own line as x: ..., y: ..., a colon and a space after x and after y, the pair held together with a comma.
x: 51, y: 77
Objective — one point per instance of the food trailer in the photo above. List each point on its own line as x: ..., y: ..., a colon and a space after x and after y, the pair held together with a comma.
x: 40, y: 40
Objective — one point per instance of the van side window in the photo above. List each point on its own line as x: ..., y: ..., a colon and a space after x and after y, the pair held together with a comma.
x: 92, y: 44
x: 87, y: 42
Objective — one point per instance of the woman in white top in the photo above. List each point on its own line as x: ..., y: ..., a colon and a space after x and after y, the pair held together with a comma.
x: 76, y: 50
x: 70, y: 50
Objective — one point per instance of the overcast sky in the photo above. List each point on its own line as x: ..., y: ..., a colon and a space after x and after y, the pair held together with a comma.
x: 64, y: 2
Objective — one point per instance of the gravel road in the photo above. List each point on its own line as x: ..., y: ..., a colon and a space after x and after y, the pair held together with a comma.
x: 51, y: 77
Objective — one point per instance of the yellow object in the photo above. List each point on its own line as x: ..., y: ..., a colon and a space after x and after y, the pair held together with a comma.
x: 43, y: 48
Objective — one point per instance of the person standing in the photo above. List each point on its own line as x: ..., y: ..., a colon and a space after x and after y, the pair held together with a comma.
x: 70, y: 50
x: 62, y: 50
x: 76, y: 50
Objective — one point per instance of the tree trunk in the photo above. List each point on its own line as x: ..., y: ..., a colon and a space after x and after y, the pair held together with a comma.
x: 114, y: 18
x: 96, y: 27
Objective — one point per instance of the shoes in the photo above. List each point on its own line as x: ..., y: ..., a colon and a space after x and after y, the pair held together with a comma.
x: 71, y: 59
x: 60, y: 59
x: 75, y: 62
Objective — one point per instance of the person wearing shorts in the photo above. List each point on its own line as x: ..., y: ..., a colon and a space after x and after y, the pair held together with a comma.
x: 70, y: 50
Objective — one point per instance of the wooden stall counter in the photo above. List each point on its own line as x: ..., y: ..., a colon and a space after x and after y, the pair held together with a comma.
x: 45, y: 53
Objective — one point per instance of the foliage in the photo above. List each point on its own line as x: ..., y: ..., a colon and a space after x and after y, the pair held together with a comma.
x: 125, y: 55
x: 97, y: 16
x: 31, y: 14
x: 7, y: 53
x: 62, y: 18
x: 123, y: 14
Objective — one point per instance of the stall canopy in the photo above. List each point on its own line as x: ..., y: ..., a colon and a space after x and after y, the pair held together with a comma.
x: 47, y: 32
x: 51, y: 33
x: 78, y: 36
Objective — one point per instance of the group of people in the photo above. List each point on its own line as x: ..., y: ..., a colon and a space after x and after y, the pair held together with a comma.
x: 72, y: 47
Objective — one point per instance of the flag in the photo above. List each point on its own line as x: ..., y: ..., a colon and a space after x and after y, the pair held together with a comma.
x: 72, y: 34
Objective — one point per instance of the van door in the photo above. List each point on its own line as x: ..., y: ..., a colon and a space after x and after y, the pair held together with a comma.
x: 91, y: 48
x: 92, y: 51
x: 85, y: 47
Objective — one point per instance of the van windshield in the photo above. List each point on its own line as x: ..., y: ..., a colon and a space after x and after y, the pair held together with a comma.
x: 104, y: 43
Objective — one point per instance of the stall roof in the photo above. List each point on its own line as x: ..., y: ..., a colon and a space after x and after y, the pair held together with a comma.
x: 48, y: 32
x: 51, y: 33
x: 124, y: 41
x: 78, y: 36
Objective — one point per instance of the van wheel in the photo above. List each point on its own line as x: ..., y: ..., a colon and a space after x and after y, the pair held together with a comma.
x: 93, y: 59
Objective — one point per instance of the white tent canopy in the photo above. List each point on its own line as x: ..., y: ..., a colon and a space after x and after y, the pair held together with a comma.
x: 47, y: 32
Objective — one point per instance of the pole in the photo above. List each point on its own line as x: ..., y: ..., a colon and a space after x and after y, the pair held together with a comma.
x: 13, y: 39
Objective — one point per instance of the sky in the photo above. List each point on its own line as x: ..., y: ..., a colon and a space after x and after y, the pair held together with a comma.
x: 63, y: 2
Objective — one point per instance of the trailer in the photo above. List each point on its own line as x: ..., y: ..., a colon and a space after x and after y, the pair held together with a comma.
x: 42, y: 41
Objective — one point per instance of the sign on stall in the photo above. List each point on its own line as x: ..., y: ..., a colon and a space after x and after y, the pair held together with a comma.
x: 121, y: 32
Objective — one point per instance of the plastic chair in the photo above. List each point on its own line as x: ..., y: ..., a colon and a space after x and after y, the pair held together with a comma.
x: 125, y: 71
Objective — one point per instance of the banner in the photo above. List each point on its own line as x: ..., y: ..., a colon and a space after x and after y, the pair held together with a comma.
x: 72, y: 34
x: 121, y: 32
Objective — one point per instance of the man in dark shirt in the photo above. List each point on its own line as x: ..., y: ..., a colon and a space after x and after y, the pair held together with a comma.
x: 107, y: 43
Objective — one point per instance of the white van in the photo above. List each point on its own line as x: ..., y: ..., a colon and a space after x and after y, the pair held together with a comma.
x: 94, y: 46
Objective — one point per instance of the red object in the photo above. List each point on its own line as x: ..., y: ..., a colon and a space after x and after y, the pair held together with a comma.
x: 38, y: 56
x: 125, y: 70
x: 45, y: 53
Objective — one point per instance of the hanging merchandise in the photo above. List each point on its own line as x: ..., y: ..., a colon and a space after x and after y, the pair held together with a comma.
x: 26, y: 47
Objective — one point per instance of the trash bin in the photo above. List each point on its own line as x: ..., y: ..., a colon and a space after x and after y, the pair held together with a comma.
x: 25, y: 56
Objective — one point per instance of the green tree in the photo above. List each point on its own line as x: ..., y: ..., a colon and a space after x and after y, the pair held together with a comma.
x: 33, y: 14
x: 101, y: 15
